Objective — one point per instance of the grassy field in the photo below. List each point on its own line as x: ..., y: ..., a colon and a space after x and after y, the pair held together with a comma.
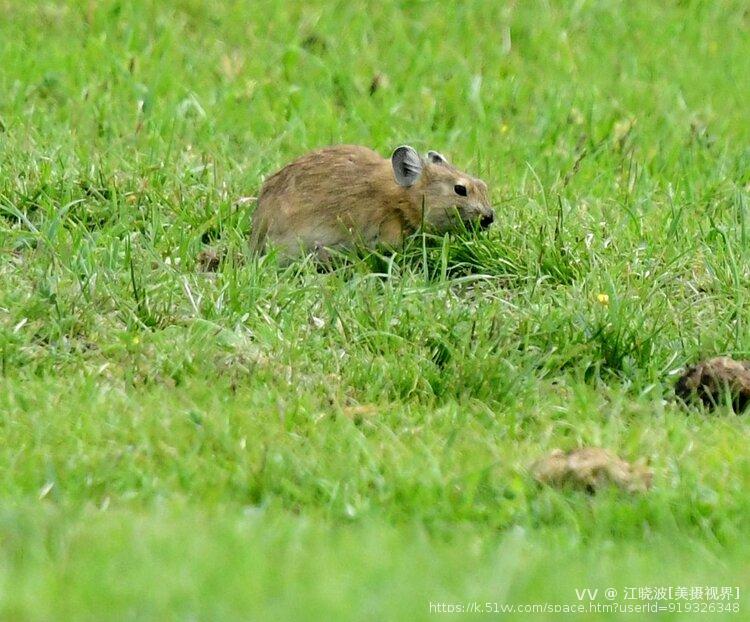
x: 257, y: 442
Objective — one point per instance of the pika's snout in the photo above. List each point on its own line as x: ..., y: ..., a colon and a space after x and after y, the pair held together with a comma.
x: 486, y: 220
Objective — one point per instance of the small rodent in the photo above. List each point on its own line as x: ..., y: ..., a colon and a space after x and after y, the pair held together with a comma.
x: 346, y: 195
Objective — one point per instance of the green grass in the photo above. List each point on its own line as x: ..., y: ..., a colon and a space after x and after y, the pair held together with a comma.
x: 282, y: 443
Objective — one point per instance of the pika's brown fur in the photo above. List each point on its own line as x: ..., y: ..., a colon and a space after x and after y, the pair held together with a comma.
x: 341, y: 196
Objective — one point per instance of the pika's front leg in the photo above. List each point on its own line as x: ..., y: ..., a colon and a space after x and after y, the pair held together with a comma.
x: 322, y: 254
x: 391, y: 232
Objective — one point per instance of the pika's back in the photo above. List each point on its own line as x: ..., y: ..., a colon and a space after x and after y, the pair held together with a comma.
x: 324, y: 172
x: 315, y: 195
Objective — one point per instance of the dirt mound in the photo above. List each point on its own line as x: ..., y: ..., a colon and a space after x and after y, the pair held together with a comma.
x: 591, y: 468
x: 714, y: 380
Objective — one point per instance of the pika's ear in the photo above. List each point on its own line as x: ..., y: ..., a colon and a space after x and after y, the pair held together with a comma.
x: 436, y: 158
x: 407, y: 165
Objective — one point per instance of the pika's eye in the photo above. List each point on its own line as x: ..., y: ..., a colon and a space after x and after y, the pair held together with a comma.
x: 460, y: 190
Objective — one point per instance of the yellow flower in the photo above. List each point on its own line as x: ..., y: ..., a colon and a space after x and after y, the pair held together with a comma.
x: 603, y: 299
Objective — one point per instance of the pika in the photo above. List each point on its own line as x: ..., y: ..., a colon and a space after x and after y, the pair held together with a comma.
x: 342, y: 196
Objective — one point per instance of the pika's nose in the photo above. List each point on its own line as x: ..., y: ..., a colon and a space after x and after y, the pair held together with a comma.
x: 487, y: 220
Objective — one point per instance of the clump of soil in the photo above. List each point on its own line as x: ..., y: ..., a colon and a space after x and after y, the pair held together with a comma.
x: 591, y: 468
x: 713, y: 380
